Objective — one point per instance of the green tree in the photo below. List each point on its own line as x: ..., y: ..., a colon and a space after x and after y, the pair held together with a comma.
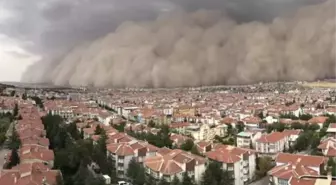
x: 163, y: 182
x: 16, y: 110
x: 187, y: 145
x: 151, y: 124
x: 314, y: 127
x: 72, y: 129
x: 305, y: 117
x: 226, y: 178
x: 240, y: 126
x: 269, y: 128
x: 98, y: 130
x: 278, y: 126
x: 24, y: 96
x: 297, y: 125
x: 331, y: 162
x: 176, y: 181
x: 140, y: 177
x: 12, y: 93
x: 149, y: 180
x: 132, y: 170
x: 38, y: 101
x: 102, y: 142
x: 14, y: 159
x: 264, y: 164
x: 186, y: 180
x: 230, y: 129
x: 15, y: 141
x: 194, y: 150
x: 120, y: 127
x: 215, y: 175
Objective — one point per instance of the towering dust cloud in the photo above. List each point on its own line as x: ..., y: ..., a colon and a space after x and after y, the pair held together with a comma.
x: 202, y: 48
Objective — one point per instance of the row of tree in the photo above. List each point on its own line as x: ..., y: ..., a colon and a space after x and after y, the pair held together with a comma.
x: 74, y: 155
x: 161, y: 139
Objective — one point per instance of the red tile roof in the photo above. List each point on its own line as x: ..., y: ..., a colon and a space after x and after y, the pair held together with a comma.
x: 28, y: 174
x: 272, y: 137
x: 318, y: 119
x: 227, y: 153
x: 171, y: 163
x: 307, y: 160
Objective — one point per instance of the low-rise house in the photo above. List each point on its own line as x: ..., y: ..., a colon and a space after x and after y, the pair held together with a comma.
x: 290, y: 167
x: 171, y: 163
x: 239, y: 162
x: 29, y: 173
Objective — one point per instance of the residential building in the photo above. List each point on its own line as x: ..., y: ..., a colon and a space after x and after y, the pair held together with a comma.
x: 290, y: 167
x: 247, y: 139
x: 122, y: 153
x: 239, y: 162
x: 328, y: 147
x: 29, y: 173
x: 271, y: 144
x: 206, y: 132
x: 331, y: 131
x: 171, y: 163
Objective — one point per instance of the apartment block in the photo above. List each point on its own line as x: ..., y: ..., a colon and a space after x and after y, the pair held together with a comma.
x: 170, y: 163
x: 122, y: 153
x: 239, y: 162
x: 290, y: 167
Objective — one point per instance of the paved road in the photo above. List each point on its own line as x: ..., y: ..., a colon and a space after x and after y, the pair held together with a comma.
x: 263, y: 181
x: 3, y: 152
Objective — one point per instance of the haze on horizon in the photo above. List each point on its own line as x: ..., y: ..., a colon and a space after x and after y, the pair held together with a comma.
x: 174, y: 43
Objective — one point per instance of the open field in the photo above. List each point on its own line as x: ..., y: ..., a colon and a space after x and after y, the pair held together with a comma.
x: 323, y: 84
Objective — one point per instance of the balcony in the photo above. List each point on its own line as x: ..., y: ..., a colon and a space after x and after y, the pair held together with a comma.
x: 245, y: 163
x: 245, y: 179
x: 245, y: 171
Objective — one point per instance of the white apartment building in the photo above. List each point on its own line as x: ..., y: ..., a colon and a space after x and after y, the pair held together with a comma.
x: 271, y: 144
x: 246, y: 139
x: 239, y: 162
x: 173, y: 163
x: 123, y: 153
x: 205, y: 132
x: 276, y: 142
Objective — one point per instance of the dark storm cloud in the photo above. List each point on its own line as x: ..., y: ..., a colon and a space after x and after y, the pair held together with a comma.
x: 58, y: 25
x: 82, y: 42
